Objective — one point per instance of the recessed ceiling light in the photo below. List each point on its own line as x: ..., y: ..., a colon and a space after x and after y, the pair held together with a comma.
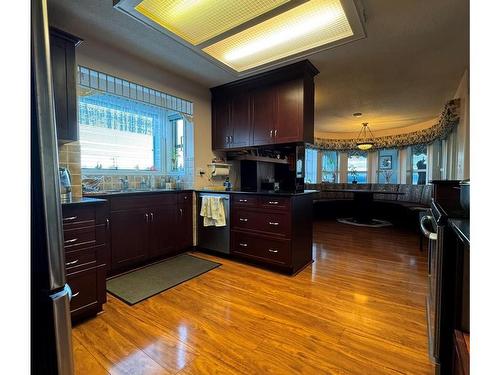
x: 200, y: 20
x: 357, y: 114
x: 312, y: 24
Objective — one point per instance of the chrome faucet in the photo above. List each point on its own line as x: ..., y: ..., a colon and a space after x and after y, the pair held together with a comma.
x: 124, y: 183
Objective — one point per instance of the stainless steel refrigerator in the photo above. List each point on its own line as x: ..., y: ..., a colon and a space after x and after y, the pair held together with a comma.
x: 51, y: 349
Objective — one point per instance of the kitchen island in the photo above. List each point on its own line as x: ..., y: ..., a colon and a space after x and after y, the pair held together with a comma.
x: 272, y: 229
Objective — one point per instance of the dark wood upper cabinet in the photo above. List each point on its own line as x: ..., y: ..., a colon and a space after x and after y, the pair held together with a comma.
x: 263, y: 115
x: 274, y: 107
x: 62, y: 52
x: 240, y: 120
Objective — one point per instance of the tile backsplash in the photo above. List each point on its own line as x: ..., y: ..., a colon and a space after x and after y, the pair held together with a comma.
x: 69, y: 157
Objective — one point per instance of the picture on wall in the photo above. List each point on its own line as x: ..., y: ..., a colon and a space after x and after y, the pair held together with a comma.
x: 385, y: 162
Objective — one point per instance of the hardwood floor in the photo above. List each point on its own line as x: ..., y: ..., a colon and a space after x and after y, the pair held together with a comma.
x: 359, y: 309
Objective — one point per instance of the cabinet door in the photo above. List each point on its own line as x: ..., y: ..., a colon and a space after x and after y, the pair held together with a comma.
x: 162, y: 231
x: 220, y: 124
x: 185, y: 222
x: 263, y: 116
x: 64, y: 83
x: 129, y: 237
x: 289, y: 106
x: 240, y: 121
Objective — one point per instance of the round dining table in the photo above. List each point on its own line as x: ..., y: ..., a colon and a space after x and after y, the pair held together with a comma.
x: 363, y: 206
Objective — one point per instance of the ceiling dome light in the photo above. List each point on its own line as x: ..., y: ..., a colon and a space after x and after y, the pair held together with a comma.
x: 364, y: 142
x: 357, y: 114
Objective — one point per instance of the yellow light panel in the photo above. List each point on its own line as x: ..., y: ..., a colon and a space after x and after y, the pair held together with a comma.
x: 197, y: 21
x: 307, y: 26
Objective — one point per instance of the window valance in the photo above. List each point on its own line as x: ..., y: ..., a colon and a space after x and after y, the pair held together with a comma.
x: 94, y: 80
x: 448, y: 120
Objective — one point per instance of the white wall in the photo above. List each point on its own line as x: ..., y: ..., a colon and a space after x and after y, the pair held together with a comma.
x: 105, y: 58
x: 458, y: 142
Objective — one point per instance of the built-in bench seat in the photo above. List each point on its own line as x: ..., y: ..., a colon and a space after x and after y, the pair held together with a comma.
x: 414, y: 198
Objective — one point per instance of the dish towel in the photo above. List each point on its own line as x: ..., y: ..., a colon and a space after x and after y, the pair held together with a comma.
x: 212, y: 210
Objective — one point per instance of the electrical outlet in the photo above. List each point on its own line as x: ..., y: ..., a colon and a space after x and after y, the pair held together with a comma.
x: 201, y: 171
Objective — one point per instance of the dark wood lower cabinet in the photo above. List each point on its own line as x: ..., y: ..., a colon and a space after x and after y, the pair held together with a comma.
x: 272, y: 230
x: 86, y: 248
x: 129, y: 237
x: 147, y: 227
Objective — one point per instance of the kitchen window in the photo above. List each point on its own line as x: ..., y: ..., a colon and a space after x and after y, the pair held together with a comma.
x: 128, y: 128
x: 357, y: 167
x: 311, y: 161
x: 419, y: 164
x: 329, y: 166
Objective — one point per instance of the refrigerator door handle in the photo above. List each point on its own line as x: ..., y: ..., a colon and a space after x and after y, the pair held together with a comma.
x: 62, y: 330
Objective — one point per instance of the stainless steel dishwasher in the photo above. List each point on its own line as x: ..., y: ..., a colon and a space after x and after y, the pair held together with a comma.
x: 214, y: 238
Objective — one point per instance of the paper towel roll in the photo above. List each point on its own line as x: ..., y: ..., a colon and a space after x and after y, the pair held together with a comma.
x: 220, y: 171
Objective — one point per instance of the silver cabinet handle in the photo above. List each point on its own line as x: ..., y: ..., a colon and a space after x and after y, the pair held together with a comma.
x: 71, y: 241
x: 243, y: 200
x: 242, y: 244
x: 75, y: 295
x: 273, y: 202
x: 273, y: 251
x: 107, y: 224
x: 73, y: 262
x: 427, y: 233
x: 71, y: 218
x: 274, y: 223
x: 230, y: 139
x: 152, y: 216
x: 270, y: 133
x: 147, y: 218
x: 181, y: 211
x: 243, y: 219
x: 275, y: 132
x: 185, y: 197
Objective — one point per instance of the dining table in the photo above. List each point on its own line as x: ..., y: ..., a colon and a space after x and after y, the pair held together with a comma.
x: 363, y: 206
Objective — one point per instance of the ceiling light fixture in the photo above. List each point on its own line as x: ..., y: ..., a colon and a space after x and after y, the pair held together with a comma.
x: 364, y: 142
x: 357, y: 114
x: 309, y: 25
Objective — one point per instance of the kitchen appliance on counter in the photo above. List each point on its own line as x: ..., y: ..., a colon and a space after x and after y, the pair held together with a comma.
x: 214, y: 238
x: 51, y: 346
x: 65, y: 184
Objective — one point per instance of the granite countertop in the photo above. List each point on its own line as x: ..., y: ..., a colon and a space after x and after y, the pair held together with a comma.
x: 82, y: 201
x: 462, y: 228
x: 268, y: 192
x: 105, y: 193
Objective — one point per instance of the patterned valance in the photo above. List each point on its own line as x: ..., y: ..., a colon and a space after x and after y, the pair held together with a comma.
x: 94, y: 80
x: 448, y: 120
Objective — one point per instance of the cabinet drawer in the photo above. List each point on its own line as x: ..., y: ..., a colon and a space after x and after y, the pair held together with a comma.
x: 78, y: 238
x: 79, y: 260
x: 84, y: 289
x: 261, y: 248
x: 142, y: 201
x: 281, y: 203
x: 245, y: 200
x: 275, y: 223
x: 77, y: 217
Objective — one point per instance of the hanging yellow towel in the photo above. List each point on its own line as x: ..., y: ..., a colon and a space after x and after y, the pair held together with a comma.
x: 212, y: 210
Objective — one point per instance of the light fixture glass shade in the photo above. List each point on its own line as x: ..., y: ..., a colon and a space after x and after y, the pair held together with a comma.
x: 197, y: 21
x: 365, y: 146
x: 307, y: 26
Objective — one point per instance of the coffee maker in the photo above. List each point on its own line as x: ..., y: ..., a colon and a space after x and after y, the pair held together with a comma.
x: 65, y: 184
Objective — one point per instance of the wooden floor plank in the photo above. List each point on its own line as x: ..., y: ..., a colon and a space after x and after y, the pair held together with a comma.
x: 358, y: 309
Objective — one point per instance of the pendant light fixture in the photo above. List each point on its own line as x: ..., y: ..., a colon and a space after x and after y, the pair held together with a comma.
x: 365, y: 142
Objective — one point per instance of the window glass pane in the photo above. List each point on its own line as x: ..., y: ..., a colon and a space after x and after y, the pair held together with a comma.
x: 329, y: 170
x: 357, y: 167
x: 178, y: 145
x: 311, y: 162
x: 116, y: 133
x: 388, y: 166
x: 419, y: 164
